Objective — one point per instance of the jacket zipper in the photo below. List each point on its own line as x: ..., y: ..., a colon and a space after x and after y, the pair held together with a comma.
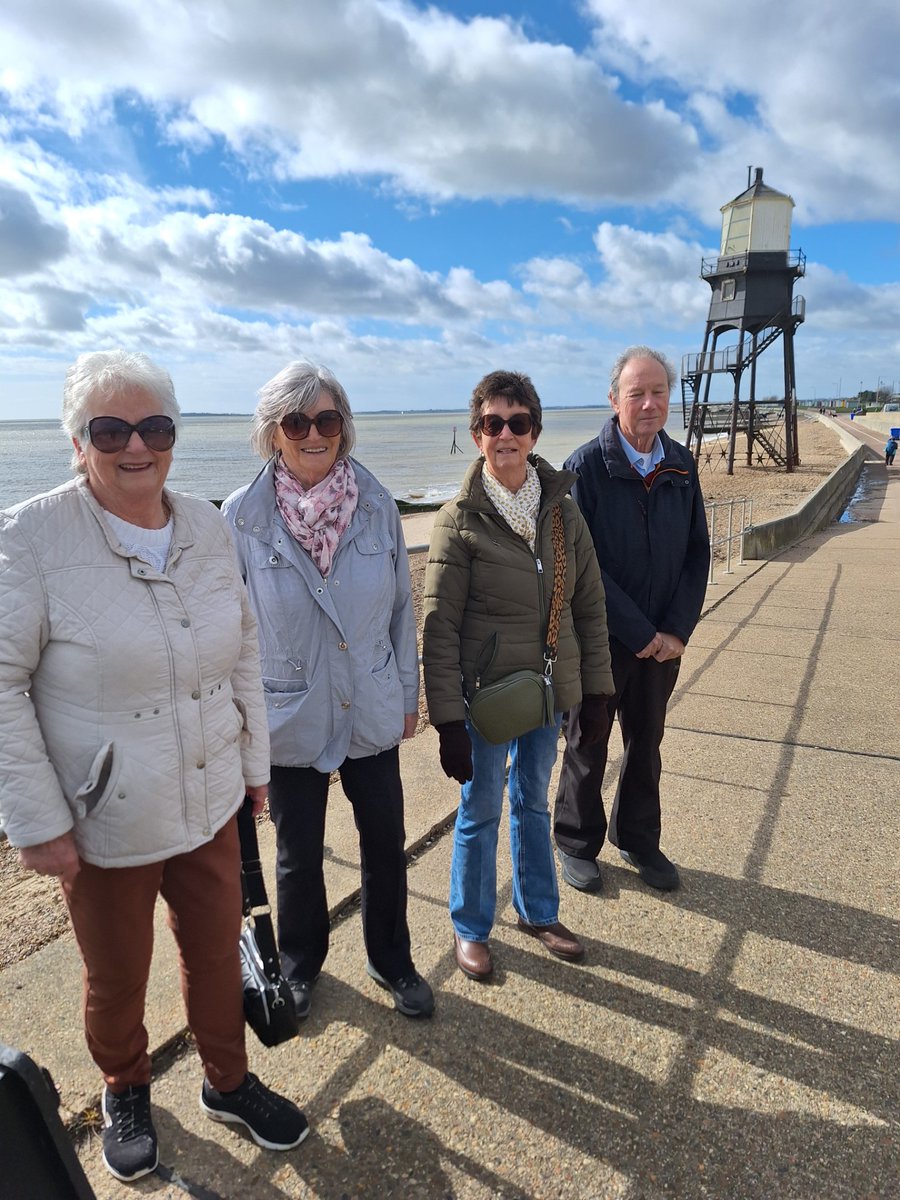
x: 540, y: 577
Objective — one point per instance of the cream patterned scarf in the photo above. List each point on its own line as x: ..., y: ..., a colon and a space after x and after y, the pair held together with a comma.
x: 318, y: 517
x: 518, y: 509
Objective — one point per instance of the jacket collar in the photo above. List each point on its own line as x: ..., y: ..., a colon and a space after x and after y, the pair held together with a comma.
x: 554, y: 485
x: 183, y: 532
x: 616, y: 459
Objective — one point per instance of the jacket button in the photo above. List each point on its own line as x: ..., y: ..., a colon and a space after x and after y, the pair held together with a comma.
x: 345, y: 704
x: 185, y: 622
x: 200, y: 766
x: 195, y: 695
x: 273, y: 561
x: 240, y: 521
x: 256, y: 529
x: 342, y: 645
x: 320, y: 591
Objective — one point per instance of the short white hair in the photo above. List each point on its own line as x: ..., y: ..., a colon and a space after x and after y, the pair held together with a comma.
x: 103, y: 373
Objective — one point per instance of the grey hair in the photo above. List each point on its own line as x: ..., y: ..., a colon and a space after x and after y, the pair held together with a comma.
x: 297, y: 388
x: 638, y: 352
x: 104, y: 373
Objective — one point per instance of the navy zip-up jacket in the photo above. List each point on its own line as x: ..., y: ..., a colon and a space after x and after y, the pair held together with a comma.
x: 650, y: 536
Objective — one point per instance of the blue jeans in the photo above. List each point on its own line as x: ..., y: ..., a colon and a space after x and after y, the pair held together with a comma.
x: 473, y: 871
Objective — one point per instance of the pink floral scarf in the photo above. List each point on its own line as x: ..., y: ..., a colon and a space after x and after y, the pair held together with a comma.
x: 318, y: 517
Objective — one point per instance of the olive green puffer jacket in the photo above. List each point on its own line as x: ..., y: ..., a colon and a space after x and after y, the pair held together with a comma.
x: 482, y: 580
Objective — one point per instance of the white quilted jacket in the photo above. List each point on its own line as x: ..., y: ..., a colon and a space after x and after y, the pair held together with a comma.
x: 131, y: 705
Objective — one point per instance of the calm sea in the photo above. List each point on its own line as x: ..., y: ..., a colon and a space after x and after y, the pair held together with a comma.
x: 408, y: 452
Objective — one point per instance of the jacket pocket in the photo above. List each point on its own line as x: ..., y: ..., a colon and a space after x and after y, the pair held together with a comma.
x: 98, y: 787
x: 243, y: 730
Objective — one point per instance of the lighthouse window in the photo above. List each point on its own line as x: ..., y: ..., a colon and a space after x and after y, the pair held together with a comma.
x: 727, y: 289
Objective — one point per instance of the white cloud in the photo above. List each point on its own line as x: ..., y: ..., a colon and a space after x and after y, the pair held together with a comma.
x: 440, y: 106
x: 648, y: 280
x: 809, y: 91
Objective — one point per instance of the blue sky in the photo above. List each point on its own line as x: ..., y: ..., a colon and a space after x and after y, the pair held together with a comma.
x: 415, y: 195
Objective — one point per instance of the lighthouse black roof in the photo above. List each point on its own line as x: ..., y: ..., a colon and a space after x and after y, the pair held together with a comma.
x: 757, y: 188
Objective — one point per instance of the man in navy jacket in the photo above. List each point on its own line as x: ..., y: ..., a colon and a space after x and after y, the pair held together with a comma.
x: 641, y: 499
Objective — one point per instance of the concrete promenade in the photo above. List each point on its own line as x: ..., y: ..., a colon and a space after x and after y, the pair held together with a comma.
x: 734, y: 1039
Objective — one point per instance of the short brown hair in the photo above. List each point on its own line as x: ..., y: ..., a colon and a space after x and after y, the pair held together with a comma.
x: 511, y: 386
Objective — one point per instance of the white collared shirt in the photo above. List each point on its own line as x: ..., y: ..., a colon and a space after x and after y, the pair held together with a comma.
x: 645, y: 464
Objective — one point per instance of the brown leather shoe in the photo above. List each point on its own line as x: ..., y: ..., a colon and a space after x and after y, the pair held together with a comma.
x: 558, y: 940
x: 473, y: 958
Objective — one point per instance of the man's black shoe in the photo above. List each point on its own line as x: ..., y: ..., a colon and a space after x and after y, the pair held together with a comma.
x: 412, y: 995
x: 301, y: 990
x: 654, y: 868
x: 581, y: 873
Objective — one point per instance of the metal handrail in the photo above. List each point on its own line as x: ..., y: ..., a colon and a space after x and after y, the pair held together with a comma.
x: 733, y: 534
x: 723, y: 264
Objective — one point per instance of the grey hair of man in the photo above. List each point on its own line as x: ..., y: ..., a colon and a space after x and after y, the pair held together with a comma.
x: 296, y: 389
x: 639, y: 352
x: 103, y: 374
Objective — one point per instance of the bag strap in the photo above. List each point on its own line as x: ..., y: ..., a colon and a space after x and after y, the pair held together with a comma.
x: 253, y: 888
x: 559, y: 585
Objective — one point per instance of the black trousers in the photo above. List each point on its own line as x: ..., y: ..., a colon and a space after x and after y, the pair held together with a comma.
x: 298, y: 798
x: 643, y: 687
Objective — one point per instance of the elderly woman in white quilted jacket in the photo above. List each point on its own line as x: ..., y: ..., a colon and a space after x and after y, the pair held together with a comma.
x: 322, y: 551
x: 134, y: 723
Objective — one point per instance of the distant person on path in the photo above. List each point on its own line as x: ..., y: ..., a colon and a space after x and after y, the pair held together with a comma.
x: 131, y: 698
x: 890, y: 449
x: 641, y: 499
x: 321, y: 548
x: 488, y: 583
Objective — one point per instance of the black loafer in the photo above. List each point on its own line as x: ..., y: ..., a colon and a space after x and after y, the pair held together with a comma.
x: 654, y: 868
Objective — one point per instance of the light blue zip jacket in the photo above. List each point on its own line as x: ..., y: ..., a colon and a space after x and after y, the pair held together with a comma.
x: 339, y: 658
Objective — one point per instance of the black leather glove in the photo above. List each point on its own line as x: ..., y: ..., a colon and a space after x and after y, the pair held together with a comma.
x: 456, y: 751
x: 594, y: 719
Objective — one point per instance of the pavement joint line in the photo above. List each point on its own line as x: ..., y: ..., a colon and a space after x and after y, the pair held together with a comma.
x: 747, y: 737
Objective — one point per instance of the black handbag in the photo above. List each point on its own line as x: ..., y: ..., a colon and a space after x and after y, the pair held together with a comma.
x: 268, y: 1003
x: 522, y: 701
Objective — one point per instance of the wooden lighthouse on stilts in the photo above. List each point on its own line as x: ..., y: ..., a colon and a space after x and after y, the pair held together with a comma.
x: 752, y: 282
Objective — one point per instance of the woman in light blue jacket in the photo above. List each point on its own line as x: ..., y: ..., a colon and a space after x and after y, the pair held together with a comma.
x: 322, y: 552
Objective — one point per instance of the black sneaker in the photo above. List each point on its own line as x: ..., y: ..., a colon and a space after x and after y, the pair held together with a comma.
x: 129, y: 1140
x: 274, y: 1122
x: 654, y: 868
x: 581, y: 873
x: 412, y: 995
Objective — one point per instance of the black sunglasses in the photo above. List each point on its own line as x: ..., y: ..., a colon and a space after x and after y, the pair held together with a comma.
x: 519, y: 424
x: 109, y: 435
x: 297, y: 425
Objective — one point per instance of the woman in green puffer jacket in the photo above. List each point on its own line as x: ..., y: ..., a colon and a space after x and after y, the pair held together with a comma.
x: 487, y: 599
